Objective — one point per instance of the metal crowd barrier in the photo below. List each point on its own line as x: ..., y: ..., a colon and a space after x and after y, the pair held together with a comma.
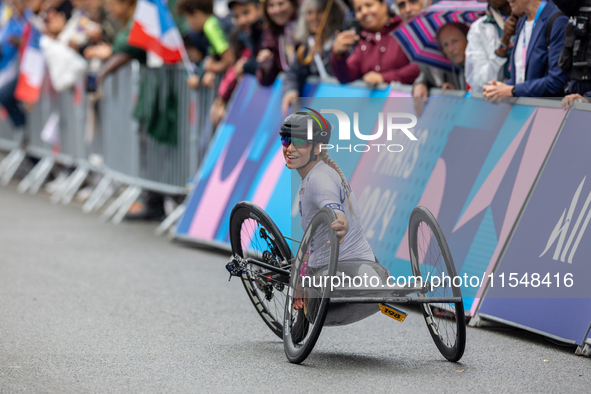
x: 101, y: 135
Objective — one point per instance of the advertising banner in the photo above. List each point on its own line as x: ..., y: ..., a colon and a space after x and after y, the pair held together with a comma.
x: 472, y: 163
x: 548, y: 252
x: 245, y: 161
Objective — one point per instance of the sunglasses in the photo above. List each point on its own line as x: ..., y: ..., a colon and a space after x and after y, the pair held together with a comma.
x: 297, y: 142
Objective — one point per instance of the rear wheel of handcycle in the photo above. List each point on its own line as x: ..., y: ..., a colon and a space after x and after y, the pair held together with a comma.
x: 429, y: 257
x: 254, y: 235
x: 317, y: 257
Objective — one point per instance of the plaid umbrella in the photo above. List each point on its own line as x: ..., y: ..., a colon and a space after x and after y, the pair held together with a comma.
x: 418, y: 37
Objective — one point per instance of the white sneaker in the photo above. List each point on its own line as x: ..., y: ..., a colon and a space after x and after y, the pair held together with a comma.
x: 51, y: 187
x: 169, y: 205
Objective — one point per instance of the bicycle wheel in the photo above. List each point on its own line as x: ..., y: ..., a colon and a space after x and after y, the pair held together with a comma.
x: 254, y: 235
x: 429, y: 257
x: 317, y: 257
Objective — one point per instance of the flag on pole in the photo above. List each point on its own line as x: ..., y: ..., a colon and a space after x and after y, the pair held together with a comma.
x: 32, y: 67
x: 153, y: 29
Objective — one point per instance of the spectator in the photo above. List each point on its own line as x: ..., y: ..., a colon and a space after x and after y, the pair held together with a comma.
x: 120, y: 53
x: 571, y: 98
x: 488, y: 51
x: 311, y: 13
x: 534, y: 68
x: 576, y: 50
x: 408, y: 9
x: 10, y: 38
x: 63, y: 7
x: 97, y: 12
x: 378, y: 58
x: 278, y: 48
x: 245, y: 41
x: 453, y: 41
x: 199, y: 16
x: 79, y: 28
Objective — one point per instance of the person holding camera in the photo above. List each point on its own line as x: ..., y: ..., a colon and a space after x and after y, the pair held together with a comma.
x: 372, y: 54
x: 489, y: 42
x: 576, y: 53
x: 534, y: 61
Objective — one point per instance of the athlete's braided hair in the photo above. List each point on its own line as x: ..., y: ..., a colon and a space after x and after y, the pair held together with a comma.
x: 325, y: 158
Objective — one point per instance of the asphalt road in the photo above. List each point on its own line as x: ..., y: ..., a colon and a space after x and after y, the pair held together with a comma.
x: 87, y: 306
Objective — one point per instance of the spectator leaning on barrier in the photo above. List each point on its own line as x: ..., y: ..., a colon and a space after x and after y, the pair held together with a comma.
x: 245, y: 41
x: 534, y: 61
x: 489, y: 41
x: 571, y: 98
x: 96, y: 10
x: 79, y: 30
x: 453, y: 41
x: 199, y: 16
x: 311, y: 13
x: 408, y: 9
x: 120, y: 52
x: 10, y: 39
x: 376, y: 56
x: 278, y: 48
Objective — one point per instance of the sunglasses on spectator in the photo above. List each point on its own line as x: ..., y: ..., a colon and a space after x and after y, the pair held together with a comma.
x: 297, y: 142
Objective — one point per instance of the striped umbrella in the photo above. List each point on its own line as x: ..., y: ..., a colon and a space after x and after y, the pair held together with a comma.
x: 418, y: 37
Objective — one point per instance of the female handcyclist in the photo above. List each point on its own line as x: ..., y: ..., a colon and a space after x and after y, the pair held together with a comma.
x: 324, y: 185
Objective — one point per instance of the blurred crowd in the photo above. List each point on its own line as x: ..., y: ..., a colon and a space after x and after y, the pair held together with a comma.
x: 348, y: 39
x: 511, y: 51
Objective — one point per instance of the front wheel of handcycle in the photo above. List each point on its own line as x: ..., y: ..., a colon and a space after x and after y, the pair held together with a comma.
x: 316, y: 259
x: 254, y: 235
x: 430, y: 257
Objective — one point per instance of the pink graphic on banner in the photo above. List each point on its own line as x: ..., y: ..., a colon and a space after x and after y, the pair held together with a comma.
x: 396, y: 93
x: 215, y: 198
x: 487, y: 191
x: 268, y: 183
x: 545, y: 127
x: 432, y: 198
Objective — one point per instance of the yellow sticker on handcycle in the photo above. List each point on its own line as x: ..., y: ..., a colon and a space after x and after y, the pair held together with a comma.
x: 392, y: 312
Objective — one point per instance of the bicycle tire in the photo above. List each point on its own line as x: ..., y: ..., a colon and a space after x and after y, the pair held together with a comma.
x: 302, y: 327
x: 247, y: 220
x: 448, y: 318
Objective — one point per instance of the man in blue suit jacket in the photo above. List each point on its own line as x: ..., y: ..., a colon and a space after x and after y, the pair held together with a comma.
x: 540, y: 76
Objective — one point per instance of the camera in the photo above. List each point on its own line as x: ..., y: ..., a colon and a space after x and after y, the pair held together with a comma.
x: 575, y: 58
x: 351, y: 23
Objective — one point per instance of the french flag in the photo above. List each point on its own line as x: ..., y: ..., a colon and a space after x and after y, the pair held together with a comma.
x: 32, y: 67
x: 153, y: 29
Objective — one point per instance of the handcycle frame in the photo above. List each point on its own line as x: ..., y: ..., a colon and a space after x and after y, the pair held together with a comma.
x: 276, y: 273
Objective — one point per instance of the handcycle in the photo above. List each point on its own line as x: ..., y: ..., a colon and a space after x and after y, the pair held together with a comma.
x: 274, y: 278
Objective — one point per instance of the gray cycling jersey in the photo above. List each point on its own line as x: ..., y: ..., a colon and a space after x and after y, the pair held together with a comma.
x: 323, y: 187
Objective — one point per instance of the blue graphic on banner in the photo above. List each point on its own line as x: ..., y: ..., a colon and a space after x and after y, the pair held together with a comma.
x: 472, y: 164
x: 552, y: 237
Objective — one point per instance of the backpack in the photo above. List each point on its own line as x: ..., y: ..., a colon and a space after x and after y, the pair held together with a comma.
x: 554, y: 16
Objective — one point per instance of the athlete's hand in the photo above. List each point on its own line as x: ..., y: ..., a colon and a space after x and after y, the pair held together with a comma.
x: 298, y: 303
x: 341, y: 226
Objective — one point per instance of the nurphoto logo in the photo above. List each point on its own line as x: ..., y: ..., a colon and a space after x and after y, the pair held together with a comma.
x: 394, y: 121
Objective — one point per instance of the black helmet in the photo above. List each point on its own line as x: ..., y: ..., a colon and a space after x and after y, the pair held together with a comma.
x: 296, y: 126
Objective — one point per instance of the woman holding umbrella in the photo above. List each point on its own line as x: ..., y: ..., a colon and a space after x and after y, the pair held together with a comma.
x: 372, y: 54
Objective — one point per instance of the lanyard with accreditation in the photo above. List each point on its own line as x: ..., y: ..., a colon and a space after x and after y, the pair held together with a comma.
x: 525, y: 45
